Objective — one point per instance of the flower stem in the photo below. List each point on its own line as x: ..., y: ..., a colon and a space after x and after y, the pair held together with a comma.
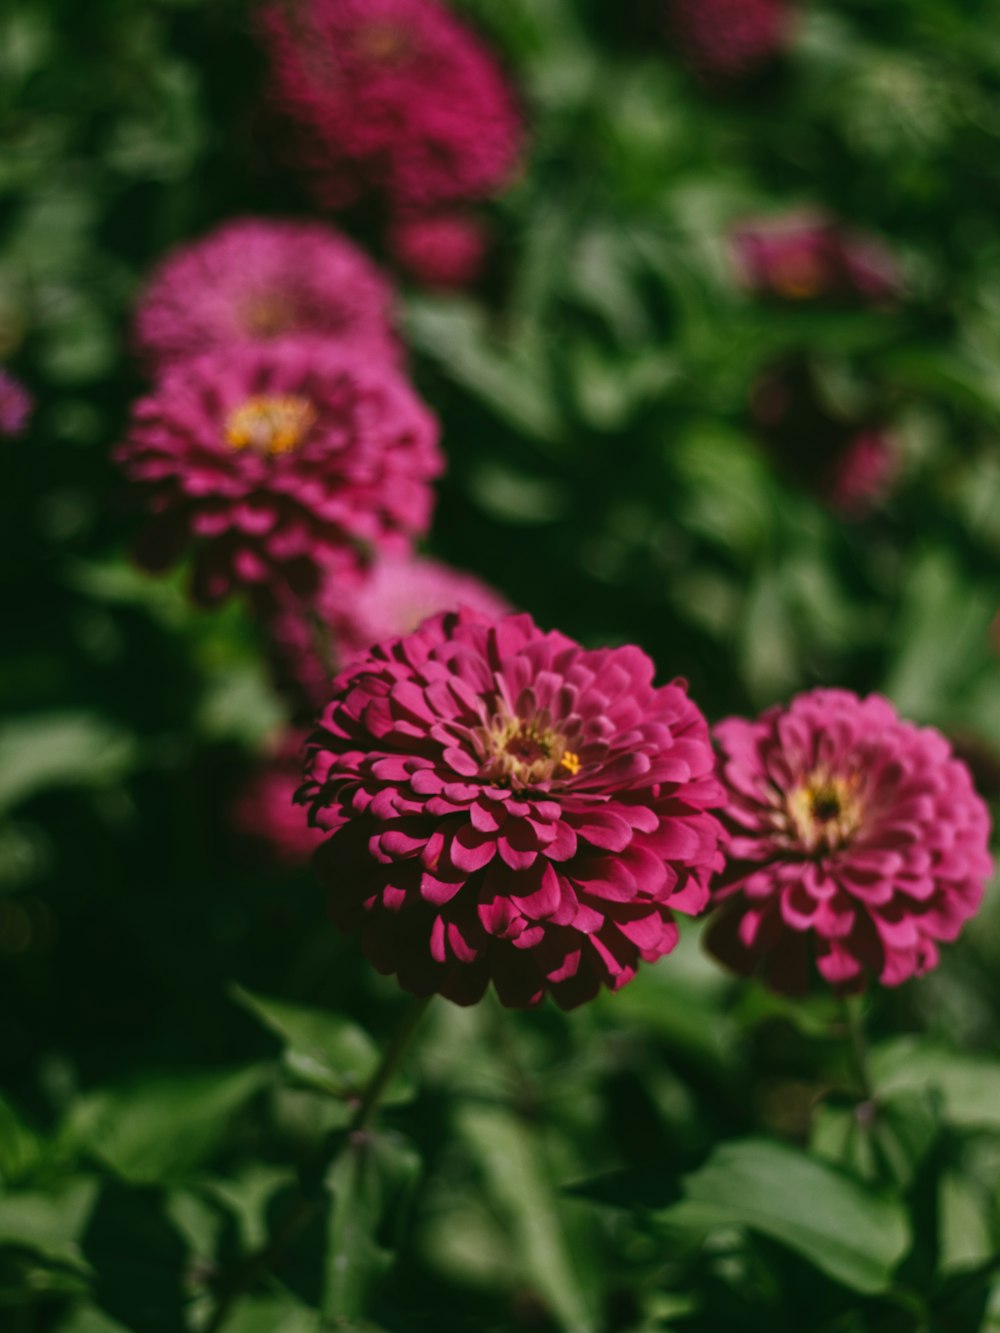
x: 857, y: 1046
x: 245, y: 1276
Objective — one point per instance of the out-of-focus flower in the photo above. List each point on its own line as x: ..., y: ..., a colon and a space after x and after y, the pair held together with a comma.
x: 257, y: 279
x: 397, y: 97
x: 806, y: 257
x: 853, y: 840
x: 851, y: 466
x: 280, y: 465
x: 727, y: 40
x: 16, y: 405
x: 265, y: 810
x: 396, y: 595
x: 445, y: 250
x: 504, y: 805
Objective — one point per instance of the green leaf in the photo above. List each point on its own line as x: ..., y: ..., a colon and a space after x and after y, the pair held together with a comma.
x: 49, y: 1224
x: 59, y: 750
x: 852, y: 1234
x: 160, y: 1127
x: 968, y: 1085
x: 368, y: 1184
x: 322, y: 1050
x: 518, y: 1179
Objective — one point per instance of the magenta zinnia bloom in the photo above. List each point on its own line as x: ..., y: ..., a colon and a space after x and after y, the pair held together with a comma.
x: 444, y: 250
x: 853, y: 839
x: 393, y: 96
x: 506, y: 806
x: 862, y: 475
x: 394, y: 597
x: 807, y: 257
x: 266, y: 812
x: 256, y: 279
x: 16, y: 405
x: 729, y: 39
x: 280, y: 465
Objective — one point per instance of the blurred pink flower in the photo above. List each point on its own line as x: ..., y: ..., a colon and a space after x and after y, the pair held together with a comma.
x: 853, y: 839
x: 393, y: 598
x: 807, y: 257
x: 729, y: 39
x: 398, y: 97
x: 265, y: 810
x: 505, y: 806
x: 16, y: 405
x: 862, y: 475
x: 278, y: 465
x: 444, y: 250
x: 257, y: 279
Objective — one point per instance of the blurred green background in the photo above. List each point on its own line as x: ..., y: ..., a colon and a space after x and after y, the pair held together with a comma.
x: 605, y: 474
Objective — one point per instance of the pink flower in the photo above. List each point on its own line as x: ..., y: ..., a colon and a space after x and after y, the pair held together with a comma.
x: 265, y: 810
x: 257, y: 279
x: 444, y: 250
x: 729, y: 39
x: 852, y: 838
x: 504, y: 805
x: 16, y: 405
x: 863, y: 473
x: 393, y: 599
x: 393, y: 96
x: 807, y: 257
x: 278, y: 465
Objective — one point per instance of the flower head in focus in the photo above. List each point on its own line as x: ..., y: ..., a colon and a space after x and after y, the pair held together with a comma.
x: 729, y: 40
x: 16, y: 405
x: 807, y: 258
x: 257, y: 279
x: 854, y: 840
x: 393, y: 97
x: 279, y: 466
x: 505, y: 806
x: 392, y: 599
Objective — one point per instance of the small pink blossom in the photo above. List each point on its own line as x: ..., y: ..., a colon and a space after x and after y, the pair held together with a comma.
x: 16, y: 405
x: 727, y: 40
x: 395, y: 97
x: 854, y: 841
x: 257, y: 279
x: 265, y: 810
x: 446, y: 250
x: 806, y: 257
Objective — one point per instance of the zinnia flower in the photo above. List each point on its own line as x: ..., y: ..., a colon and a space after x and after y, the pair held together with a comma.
x: 729, y: 39
x: 806, y: 257
x: 393, y: 96
x: 862, y: 474
x: 256, y: 279
x: 278, y: 465
x: 16, y: 405
x: 504, y: 805
x: 853, y: 839
x: 265, y: 810
x: 395, y: 596
x: 444, y: 250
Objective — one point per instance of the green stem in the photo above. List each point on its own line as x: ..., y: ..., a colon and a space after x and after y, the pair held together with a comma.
x: 854, y: 1031
x: 246, y: 1276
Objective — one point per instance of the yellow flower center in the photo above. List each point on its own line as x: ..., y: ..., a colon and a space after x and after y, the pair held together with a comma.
x: 824, y: 811
x: 270, y: 425
x: 268, y: 316
x: 799, y: 277
x: 384, y: 41
x: 522, y: 754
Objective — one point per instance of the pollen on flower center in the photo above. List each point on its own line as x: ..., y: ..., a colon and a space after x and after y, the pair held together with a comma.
x: 384, y: 41
x: 798, y: 277
x: 269, y: 316
x: 270, y: 425
x: 824, y: 811
x: 522, y: 753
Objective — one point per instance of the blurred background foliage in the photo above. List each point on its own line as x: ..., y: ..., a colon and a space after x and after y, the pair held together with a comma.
x: 179, y: 1029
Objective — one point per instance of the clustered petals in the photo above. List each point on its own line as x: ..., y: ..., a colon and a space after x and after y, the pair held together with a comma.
x: 280, y: 465
x: 254, y: 280
x: 853, y: 840
x: 265, y: 811
x: 505, y: 806
x: 393, y: 97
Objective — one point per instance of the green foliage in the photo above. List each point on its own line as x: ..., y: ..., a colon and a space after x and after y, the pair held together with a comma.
x: 606, y: 474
